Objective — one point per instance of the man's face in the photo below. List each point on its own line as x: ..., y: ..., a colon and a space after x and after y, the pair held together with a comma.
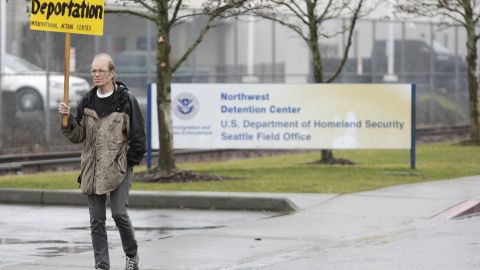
x: 101, y: 76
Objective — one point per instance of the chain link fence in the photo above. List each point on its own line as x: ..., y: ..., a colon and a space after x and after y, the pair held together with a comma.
x: 426, y: 54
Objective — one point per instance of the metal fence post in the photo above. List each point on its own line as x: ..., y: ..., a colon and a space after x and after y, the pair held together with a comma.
x: 96, y: 41
x: 235, y: 48
x: 372, y: 55
x: 402, y: 54
x: 149, y: 125
x: 3, y: 34
x: 274, y: 52
x: 149, y: 51
x: 47, y: 99
x: 344, y: 45
x: 193, y: 56
x: 413, y: 151
x: 356, y: 55
x: 431, y: 83
x: 457, y: 76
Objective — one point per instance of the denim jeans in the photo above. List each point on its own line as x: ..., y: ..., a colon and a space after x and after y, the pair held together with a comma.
x: 118, y: 204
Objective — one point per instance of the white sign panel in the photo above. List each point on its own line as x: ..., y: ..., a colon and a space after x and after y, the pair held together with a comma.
x: 289, y: 116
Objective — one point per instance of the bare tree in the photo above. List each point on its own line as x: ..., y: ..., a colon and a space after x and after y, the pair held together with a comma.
x: 166, y: 14
x: 307, y: 19
x: 467, y: 14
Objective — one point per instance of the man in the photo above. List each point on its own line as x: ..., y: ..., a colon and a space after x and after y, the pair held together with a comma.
x: 110, y: 125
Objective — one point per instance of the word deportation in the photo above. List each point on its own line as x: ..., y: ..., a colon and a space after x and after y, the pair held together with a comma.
x: 71, y: 9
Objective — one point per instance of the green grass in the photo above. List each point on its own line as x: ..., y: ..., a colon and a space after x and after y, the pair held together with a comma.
x: 293, y: 173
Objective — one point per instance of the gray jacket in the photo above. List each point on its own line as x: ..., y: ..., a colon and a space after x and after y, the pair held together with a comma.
x: 111, y: 144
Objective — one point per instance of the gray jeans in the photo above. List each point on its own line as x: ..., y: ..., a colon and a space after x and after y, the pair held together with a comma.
x: 118, y: 203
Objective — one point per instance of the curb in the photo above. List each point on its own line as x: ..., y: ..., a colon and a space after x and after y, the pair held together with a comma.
x: 464, y: 208
x: 147, y: 199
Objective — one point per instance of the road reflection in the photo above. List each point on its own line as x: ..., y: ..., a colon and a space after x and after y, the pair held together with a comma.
x: 29, y: 232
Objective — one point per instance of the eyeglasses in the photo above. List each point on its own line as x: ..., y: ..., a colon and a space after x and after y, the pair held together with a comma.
x: 99, y: 71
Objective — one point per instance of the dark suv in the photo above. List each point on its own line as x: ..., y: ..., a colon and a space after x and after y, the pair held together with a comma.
x: 413, y: 55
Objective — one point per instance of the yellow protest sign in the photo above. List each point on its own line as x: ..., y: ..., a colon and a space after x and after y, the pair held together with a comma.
x: 69, y: 16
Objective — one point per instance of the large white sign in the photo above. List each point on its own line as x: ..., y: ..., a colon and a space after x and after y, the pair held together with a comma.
x: 287, y: 116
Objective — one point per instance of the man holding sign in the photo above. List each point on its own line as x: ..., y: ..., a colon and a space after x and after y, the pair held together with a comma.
x: 110, y: 125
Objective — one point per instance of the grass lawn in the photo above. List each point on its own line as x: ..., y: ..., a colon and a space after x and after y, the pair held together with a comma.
x: 293, y: 173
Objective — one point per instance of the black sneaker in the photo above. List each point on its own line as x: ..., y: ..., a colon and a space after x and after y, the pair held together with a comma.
x: 131, y: 263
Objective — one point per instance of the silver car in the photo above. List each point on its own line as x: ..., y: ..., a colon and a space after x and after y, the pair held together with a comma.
x: 29, y: 83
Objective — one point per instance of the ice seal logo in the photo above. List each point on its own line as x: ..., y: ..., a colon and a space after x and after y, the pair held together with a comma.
x: 186, y: 106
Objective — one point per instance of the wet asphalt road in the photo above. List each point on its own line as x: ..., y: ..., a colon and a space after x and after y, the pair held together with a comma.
x: 401, y: 227
x: 29, y: 232
x: 424, y: 244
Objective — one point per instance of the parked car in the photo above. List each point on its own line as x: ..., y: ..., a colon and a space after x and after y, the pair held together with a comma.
x: 29, y: 83
x: 426, y: 63
x: 417, y: 55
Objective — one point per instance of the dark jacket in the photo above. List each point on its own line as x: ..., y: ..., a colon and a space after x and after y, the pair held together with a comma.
x: 111, y: 143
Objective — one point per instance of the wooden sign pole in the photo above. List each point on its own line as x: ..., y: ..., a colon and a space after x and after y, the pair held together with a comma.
x: 67, y: 75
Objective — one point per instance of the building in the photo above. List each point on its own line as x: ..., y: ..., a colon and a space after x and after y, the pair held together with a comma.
x: 246, y: 49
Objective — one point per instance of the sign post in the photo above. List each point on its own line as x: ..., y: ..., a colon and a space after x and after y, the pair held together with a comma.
x: 413, y: 148
x: 66, y: 77
x: 68, y: 16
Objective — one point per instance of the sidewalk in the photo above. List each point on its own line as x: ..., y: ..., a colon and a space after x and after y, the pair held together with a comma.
x: 393, y: 228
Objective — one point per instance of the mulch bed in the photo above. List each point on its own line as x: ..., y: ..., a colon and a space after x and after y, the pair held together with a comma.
x: 181, y: 176
x: 335, y: 161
